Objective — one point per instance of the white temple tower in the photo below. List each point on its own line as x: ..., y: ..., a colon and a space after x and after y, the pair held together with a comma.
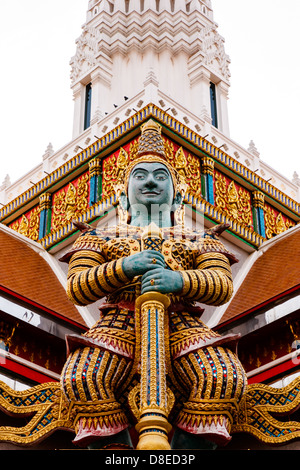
x: 132, y: 53
x: 175, y: 43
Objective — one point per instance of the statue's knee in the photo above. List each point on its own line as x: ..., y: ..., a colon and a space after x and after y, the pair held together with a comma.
x: 89, y: 374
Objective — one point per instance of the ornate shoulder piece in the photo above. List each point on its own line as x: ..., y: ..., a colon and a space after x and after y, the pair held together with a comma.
x: 90, y: 239
x: 209, y: 242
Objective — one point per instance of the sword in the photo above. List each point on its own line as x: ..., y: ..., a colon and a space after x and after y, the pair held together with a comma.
x: 154, y: 406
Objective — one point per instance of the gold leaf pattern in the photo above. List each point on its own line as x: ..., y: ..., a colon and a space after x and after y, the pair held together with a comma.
x: 275, y: 223
x: 234, y: 202
x: 70, y: 202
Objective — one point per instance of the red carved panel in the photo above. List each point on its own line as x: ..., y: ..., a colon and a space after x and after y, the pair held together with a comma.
x: 232, y: 199
x: 28, y: 224
x: 70, y: 201
x: 275, y: 221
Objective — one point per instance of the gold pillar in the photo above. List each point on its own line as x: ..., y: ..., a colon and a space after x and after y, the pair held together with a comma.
x: 153, y: 426
x: 258, y: 199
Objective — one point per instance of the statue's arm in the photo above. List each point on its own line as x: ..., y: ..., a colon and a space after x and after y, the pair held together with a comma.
x: 90, y: 278
x: 211, y: 282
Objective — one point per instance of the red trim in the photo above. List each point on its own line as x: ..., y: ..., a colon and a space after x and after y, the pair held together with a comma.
x: 41, y: 307
x: 259, y: 306
x: 24, y: 371
x: 275, y: 371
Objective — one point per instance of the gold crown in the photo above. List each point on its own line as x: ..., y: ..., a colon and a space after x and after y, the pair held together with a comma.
x: 151, y: 140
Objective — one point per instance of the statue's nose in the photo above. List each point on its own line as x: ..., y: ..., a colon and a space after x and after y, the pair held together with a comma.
x: 150, y: 182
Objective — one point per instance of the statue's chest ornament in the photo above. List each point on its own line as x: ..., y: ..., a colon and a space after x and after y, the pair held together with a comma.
x: 120, y: 247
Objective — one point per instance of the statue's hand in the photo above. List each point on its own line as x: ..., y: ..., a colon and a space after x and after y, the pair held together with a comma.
x: 162, y: 280
x: 140, y: 263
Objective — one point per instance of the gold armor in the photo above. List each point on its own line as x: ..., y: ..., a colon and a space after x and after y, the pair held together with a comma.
x: 204, y: 374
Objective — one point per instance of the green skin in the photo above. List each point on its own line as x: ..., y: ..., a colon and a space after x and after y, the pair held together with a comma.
x: 151, y: 187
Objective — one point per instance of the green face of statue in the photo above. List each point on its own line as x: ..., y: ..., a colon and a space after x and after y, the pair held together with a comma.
x: 150, y: 194
x: 150, y: 183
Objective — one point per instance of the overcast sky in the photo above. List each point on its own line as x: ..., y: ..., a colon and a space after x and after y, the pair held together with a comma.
x: 37, y: 41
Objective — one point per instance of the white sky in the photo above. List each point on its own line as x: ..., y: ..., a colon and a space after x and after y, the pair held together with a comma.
x: 37, y: 41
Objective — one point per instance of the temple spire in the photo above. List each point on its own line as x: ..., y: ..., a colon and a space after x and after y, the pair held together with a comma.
x: 123, y: 39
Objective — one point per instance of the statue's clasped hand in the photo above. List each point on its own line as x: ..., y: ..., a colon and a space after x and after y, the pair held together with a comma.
x: 162, y: 280
x: 141, y: 263
x: 151, y: 266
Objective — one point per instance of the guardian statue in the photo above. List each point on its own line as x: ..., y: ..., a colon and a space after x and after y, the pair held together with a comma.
x: 149, y: 364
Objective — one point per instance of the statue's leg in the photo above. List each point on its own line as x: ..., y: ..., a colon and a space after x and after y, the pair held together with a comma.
x: 90, y: 380
x: 216, y: 381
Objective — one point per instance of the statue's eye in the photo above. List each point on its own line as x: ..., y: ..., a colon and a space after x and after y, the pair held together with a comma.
x: 161, y: 177
x: 139, y: 176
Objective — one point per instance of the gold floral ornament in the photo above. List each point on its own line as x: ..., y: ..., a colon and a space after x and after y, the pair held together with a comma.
x: 122, y: 163
x: 119, y: 187
x: 34, y: 224
x: 67, y: 205
x: 113, y: 173
x: 275, y: 224
x: 70, y: 202
x: 28, y: 225
x: 189, y: 171
x: 233, y: 202
x: 109, y: 176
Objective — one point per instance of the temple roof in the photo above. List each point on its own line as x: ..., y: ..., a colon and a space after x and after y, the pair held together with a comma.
x: 27, y: 274
x: 274, y: 272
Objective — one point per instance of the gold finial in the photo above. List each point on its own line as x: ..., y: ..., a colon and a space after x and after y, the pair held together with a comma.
x: 150, y: 125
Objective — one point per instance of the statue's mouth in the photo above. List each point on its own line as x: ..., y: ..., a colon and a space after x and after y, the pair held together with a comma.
x: 151, y: 193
